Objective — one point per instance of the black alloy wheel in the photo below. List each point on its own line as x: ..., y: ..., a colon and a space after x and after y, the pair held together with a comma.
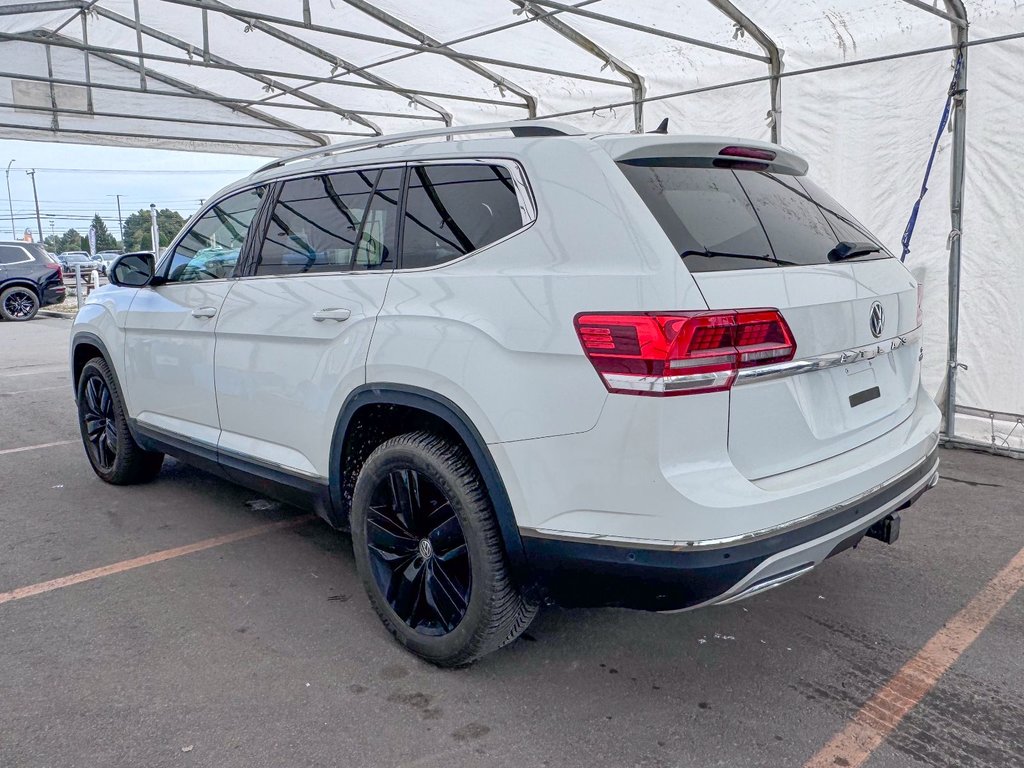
x: 430, y: 554
x: 109, y: 445
x: 18, y: 304
x: 418, y: 552
x: 100, y: 423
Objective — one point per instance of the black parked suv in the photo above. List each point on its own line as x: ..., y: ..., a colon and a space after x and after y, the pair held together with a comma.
x: 29, y: 278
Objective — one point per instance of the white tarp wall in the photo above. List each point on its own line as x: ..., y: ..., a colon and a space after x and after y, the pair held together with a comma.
x: 264, y: 77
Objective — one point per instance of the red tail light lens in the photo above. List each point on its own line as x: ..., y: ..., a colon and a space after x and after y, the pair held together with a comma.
x: 56, y: 267
x: 681, y: 353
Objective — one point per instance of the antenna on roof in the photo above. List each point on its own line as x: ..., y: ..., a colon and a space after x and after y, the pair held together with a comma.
x: 662, y: 127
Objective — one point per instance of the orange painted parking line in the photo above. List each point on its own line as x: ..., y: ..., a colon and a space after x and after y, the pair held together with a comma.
x: 904, y: 691
x: 155, y: 557
x: 37, y: 447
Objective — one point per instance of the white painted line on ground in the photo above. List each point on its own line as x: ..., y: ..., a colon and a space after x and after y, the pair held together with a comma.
x: 44, y: 370
x: 37, y: 389
x: 37, y: 447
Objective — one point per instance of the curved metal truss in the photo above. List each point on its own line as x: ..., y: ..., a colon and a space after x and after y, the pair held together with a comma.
x: 269, y: 106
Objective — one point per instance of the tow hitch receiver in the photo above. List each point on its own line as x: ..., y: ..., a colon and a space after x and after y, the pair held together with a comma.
x: 886, y: 530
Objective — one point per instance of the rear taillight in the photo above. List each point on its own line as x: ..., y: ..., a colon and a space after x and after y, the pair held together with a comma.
x: 57, y: 269
x: 681, y: 353
x: 920, y: 304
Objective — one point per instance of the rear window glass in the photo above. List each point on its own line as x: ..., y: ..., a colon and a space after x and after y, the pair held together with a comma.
x: 333, y: 223
x: 706, y: 215
x: 720, y: 219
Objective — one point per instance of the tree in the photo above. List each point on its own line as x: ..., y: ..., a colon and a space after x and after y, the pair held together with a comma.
x: 136, y: 229
x: 70, y: 241
x: 104, y: 240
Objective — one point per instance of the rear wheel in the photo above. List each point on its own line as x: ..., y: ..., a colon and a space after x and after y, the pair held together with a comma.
x: 430, y: 554
x: 18, y: 303
x: 112, y: 451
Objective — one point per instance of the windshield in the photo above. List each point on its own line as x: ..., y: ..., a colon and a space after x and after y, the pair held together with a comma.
x: 721, y: 219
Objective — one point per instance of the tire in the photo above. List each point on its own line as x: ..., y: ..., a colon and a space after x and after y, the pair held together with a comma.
x: 113, y: 453
x: 18, y: 303
x: 438, y: 577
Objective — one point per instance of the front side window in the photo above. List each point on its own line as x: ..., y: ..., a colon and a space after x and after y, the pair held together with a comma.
x: 452, y: 210
x: 339, y: 222
x: 210, y: 249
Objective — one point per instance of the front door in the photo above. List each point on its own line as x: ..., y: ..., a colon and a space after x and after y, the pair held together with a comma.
x: 169, y: 331
x: 293, y: 335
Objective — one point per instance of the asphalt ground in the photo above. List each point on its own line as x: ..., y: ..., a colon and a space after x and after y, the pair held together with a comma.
x: 263, y: 650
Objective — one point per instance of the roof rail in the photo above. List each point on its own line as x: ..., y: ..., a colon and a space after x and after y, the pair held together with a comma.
x: 518, y: 128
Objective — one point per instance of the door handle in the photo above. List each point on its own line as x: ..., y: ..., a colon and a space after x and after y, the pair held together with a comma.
x: 204, y: 312
x: 338, y: 313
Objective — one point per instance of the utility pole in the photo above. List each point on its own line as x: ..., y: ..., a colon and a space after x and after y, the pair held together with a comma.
x: 10, y: 205
x: 154, y: 231
x: 120, y: 221
x: 39, y: 220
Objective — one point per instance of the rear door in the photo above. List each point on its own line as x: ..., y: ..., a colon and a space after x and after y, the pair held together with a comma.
x: 293, y: 333
x: 169, y: 329
x: 758, y: 239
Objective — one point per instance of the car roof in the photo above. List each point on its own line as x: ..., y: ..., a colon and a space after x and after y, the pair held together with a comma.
x: 439, y: 143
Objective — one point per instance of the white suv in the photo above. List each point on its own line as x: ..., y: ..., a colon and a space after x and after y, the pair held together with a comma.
x: 641, y: 370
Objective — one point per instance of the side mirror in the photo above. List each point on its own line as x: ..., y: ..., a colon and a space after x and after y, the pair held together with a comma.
x: 132, y: 270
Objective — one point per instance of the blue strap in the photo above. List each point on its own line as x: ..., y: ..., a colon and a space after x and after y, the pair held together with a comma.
x: 909, y: 231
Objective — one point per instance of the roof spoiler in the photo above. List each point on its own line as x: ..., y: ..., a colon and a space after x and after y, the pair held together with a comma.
x: 706, y: 152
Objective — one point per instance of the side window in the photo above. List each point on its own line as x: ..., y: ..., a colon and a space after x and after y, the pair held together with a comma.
x: 210, y: 249
x: 12, y: 254
x: 452, y: 210
x: 333, y: 223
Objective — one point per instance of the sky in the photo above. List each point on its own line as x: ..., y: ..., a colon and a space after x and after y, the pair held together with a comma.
x: 75, y: 181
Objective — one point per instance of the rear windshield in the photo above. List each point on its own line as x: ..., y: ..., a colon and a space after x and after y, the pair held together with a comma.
x: 720, y: 219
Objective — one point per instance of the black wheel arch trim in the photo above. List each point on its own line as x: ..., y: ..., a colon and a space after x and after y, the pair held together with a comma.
x: 86, y: 337
x: 446, y: 410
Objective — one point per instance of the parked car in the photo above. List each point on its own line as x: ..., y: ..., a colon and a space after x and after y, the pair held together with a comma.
x: 651, y: 371
x: 107, y: 257
x: 82, y: 259
x: 29, y: 279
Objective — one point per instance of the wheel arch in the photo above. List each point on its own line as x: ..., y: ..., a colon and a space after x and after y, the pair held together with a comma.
x: 22, y: 282
x: 84, y: 347
x: 442, y: 409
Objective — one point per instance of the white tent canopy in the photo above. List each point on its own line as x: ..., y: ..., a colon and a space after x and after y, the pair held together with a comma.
x: 856, y: 86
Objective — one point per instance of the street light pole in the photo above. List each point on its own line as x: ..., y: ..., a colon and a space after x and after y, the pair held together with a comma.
x: 10, y: 205
x: 39, y: 220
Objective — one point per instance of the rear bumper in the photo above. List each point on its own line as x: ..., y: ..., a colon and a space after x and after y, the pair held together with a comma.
x: 54, y: 294
x: 677, y: 577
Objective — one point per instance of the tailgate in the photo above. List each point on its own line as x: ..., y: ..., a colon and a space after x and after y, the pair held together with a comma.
x: 849, y: 385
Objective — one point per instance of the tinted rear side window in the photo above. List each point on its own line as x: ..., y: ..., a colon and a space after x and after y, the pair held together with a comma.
x: 723, y: 214
x: 452, y: 210
x: 12, y: 254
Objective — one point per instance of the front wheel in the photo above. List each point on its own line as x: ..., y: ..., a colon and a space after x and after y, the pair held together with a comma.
x: 19, y: 303
x: 112, y: 451
x: 430, y: 554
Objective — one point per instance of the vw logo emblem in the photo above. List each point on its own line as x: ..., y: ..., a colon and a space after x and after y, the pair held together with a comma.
x: 877, y: 319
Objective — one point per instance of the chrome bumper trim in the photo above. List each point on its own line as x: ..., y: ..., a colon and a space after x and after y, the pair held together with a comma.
x: 927, y: 481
